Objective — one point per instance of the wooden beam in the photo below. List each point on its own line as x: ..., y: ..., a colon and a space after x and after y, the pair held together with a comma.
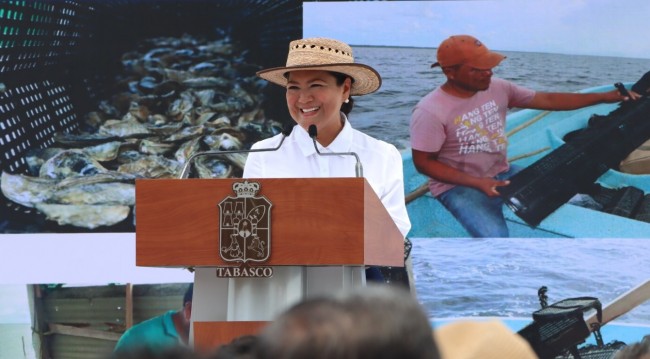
x: 623, y: 304
x: 82, y: 332
x: 128, y: 320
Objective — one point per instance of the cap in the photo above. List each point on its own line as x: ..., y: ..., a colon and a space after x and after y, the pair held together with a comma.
x: 466, y: 49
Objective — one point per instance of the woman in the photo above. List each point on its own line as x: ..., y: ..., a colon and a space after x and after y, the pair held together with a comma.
x: 320, y: 76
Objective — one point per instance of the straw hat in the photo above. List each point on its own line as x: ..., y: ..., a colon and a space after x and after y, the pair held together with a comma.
x: 329, y: 55
x: 481, y: 340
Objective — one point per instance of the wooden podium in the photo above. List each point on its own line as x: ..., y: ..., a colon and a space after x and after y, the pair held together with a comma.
x: 323, y: 232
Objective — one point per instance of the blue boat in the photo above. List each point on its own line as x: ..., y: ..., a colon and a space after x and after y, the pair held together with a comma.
x: 532, y: 135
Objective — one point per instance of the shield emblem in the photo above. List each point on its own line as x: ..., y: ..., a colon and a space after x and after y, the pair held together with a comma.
x: 245, y: 225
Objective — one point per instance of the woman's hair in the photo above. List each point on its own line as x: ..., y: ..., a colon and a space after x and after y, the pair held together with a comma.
x: 346, y: 108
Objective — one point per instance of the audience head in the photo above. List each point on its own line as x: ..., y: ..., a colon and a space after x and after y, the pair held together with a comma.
x: 239, y: 348
x: 640, y: 350
x: 378, y: 322
x: 485, y: 340
x: 175, y: 352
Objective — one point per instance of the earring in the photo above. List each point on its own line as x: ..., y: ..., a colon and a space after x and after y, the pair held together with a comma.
x: 347, y: 100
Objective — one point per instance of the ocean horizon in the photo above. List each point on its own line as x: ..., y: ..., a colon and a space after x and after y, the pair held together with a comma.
x: 407, y: 76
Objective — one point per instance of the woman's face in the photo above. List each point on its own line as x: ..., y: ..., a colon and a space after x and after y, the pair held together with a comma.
x: 468, y: 79
x: 314, y: 97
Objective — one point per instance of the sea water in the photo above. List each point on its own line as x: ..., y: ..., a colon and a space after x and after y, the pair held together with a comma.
x: 407, y: 76
x: 501, y: 277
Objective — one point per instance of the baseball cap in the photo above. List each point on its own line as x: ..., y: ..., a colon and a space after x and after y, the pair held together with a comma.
x: 466, y: 49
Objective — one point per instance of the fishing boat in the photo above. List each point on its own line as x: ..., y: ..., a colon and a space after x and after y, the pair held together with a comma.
x: 533, y: 134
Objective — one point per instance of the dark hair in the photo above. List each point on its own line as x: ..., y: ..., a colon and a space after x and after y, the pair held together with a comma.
x: 346, y: 108
x: 188, y: 294
x: 375, y: 322
x: 243, y: 347
x: 146, y: 352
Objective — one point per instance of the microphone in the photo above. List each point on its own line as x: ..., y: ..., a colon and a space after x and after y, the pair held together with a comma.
x: 186, y: 168
x: 313, y: 133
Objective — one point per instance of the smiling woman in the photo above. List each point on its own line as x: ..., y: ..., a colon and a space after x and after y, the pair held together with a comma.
x: 319, y: 78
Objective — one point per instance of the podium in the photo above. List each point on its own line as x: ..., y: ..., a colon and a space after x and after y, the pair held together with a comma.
x: 322, y: 233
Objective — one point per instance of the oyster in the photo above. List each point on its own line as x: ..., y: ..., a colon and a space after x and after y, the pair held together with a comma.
x: 70, y: 163
x: 105, y: 193
x: 104, y: 152
x: 175, y: 98
x: 26, y: 190
x: 122, y: 128
x: 36, y: 158
x: 187, y: 149
x: 207, y: 82
x: 155, y: 148
x: 84, y: 216
x: 152, y: 166
x: 185, y: 134
x: 212, y: 167
x: 223, y: 141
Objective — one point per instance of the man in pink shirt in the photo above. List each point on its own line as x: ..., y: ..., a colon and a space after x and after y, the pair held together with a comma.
x: 458, y: 137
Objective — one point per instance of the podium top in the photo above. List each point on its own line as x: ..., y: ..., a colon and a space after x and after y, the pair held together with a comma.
x: 313, y: 222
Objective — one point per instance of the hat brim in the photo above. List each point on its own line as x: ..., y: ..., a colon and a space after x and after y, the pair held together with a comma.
x: 366, y: 79
x: 486, y: 61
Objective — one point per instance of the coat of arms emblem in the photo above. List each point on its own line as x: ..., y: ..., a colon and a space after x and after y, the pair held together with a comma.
x: 245, y: 225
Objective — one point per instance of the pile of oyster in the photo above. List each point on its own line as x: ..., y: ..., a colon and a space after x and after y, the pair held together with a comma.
x: 175, y: 97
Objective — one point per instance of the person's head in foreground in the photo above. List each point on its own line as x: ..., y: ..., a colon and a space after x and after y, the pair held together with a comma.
x: 376, y: 322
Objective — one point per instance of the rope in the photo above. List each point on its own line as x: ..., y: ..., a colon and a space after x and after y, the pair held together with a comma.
x: 526, y: 155
x: 424, y: 188
x: 527, y: 123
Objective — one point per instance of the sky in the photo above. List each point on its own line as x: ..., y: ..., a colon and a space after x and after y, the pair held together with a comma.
x: 99, y: 259
x: 578, y: 27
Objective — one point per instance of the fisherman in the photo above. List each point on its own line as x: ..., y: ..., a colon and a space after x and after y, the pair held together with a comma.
x: 457, y: 132
x: 162, y: 332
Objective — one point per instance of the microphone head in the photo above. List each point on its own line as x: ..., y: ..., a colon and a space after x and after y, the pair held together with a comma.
x: 313, y: 131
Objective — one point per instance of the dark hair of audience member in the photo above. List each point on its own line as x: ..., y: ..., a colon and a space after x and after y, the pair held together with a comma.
x: 378, y: 322
x: 640, y: 350
x: 242, y: 347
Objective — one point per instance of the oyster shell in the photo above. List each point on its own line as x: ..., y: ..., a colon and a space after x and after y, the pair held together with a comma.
x: 70, y: 163
x: 84, y: 216
x: 26, y: 190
